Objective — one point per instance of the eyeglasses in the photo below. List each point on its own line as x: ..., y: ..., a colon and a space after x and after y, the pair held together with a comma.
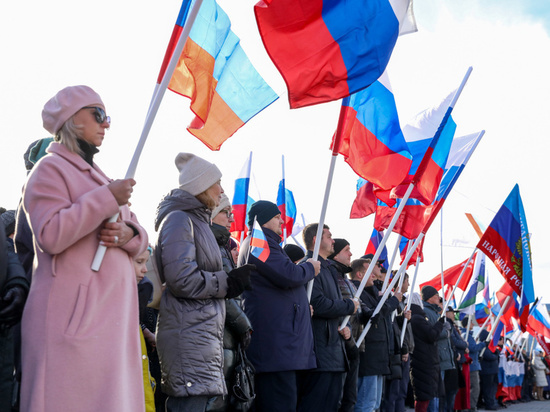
x: 228, y: 213
x: 100, y: 115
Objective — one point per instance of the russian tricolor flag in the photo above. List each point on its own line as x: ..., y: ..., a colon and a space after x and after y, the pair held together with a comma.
x: 370, y: 137
x: 240, y: 198
x: 539, y: 321
x: 329, y: 49
x: 214, y: 72
x: 496, y: 336
x: 506, y: 243
x: 374, y: 241
x: 417, y: 217
x: 287, y: 207
x: 258, y: 243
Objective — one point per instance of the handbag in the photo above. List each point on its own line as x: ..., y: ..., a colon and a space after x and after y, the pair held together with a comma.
x: 241, y: 393
x: 396, y: 367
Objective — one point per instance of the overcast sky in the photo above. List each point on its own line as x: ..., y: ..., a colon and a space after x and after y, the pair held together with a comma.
x: 117, y: 48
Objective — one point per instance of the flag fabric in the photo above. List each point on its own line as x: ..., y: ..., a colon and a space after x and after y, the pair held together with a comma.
x: 365, y: 202
x: 328, y: 49
x: 374, y: 242
x: 240, y: 199
x: 539, y: 321
x: 403, y: 248
x: 483, y: 309
x: 506, y: 243
x: 287, y: 207
x: 417, y: 217
x: 258, y: 243
x: 451, y: 276
x: 468, y: 302
x: 496, y: 336
x: 429, y: 137
x: 542, y: 343
x: 370, y: 138
x: 213, y: 71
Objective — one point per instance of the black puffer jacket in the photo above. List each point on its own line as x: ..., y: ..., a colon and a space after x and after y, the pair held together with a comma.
x: 425, y: 372
x: 192, y: 308
x: 379, y: 342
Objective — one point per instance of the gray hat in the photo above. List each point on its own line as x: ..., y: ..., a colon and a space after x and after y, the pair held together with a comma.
x: 224, y: 202
x: 196, y: 174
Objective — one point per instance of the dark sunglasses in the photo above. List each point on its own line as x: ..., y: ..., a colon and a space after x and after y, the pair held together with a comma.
x: 100, y: 115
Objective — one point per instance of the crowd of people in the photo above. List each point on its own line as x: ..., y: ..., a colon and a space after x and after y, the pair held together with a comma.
x: 232, y: 330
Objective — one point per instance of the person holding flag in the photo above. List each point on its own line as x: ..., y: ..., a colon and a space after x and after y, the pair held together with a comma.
x: 277, y: 306
x: 488, y: 375
x: 323, y: 386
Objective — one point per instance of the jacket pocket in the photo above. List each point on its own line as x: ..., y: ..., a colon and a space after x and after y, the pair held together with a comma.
x: 78, y: 311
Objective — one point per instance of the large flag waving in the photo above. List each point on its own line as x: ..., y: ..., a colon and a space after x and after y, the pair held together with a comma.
x: 329, y: 49
x: 417, y: 217
x: 371, y: 139
x: 225, y: 89
x: 506, y: 243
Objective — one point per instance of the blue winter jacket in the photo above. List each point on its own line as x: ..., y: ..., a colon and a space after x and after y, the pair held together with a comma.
x: 278, y: 309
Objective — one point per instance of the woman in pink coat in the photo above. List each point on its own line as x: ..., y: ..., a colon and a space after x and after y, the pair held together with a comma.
x: 81, y: 346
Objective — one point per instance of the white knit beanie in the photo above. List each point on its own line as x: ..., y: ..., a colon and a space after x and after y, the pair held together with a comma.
x: 416, y: 299
x: 196, y: 174
x: 224, y: 202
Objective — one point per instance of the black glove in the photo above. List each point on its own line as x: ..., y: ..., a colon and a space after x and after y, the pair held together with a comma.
x: 12, y: 302
x: 375, y: 319
x: 238, y: 280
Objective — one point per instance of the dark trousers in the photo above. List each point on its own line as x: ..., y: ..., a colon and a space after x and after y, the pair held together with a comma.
x: 186, y: 404
x: 489, y: 385
x: 349, y: 394
x: 276, y: 391
x: 396, y: 390
x: 321, y: 391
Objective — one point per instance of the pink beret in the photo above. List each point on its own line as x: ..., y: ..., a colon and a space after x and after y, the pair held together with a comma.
x: 66, y: 103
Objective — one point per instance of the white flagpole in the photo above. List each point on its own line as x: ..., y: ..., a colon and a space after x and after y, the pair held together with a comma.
x: 321, y: 223
x: 386, y: 294
x: 380, y: 248
x: 408, y: 306
x: 390, y: 266
x: 284, y: 200
x: 495, y: 324
x: 460, y: 277
x: 152, y: 112
x: 482, y: 326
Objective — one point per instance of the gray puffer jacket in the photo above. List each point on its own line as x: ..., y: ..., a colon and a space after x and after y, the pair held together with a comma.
x: 192, y: 307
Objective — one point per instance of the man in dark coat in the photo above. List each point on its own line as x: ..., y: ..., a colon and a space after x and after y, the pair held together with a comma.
x: 277, y: 306
x: 425, y: 375
x: 322, y: 388
x: 375, y: 360
x: 488, y: 375
x: 14, y: 288
x: 340, y: 260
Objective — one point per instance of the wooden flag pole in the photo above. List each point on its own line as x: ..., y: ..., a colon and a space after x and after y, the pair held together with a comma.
x: 153, y: 109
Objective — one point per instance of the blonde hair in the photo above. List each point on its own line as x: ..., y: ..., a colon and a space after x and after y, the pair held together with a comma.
x: 68, y: 136
x: 206, y: 200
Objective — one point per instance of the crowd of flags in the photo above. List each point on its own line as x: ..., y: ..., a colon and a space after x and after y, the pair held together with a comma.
x: 327, y: 50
